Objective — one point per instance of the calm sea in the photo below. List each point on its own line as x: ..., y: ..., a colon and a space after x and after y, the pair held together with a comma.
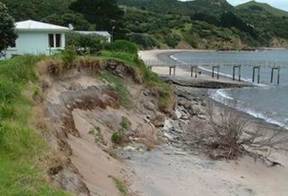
x: 267, y: 100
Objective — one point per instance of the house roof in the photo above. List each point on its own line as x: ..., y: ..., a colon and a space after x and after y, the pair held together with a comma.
x: 31, y: 25
x: 101, y: 33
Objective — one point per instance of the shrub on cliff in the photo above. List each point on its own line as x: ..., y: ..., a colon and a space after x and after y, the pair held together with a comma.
x: 123, y: 46
x: 85, y: 44
x: 162, y: 90
x: 145, y: 41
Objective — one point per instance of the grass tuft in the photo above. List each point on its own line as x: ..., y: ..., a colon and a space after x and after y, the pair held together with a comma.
x: 121, y: 186
x: 117, y: 84
x: 151, y: 80
x: 20, y: 145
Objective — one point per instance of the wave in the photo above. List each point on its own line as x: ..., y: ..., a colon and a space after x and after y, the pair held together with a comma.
x: 223, y: 97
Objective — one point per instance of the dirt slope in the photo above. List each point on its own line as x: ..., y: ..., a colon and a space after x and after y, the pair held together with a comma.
x: 82, y: 112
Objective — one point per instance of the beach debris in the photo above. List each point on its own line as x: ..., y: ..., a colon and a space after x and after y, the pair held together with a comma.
x: 231, y: 138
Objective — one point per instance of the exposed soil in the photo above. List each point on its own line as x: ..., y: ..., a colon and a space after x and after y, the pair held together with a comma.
x: 82, y: 113
x: 159, y: 155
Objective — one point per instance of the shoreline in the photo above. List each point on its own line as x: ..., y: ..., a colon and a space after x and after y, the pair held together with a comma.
x: 182, y: 165
x: 165, y: 56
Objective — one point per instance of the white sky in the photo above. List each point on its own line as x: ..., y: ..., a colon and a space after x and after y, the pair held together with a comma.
x: 281, y: 4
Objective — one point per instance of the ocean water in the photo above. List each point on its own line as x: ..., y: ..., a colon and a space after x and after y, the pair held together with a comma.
x: 266, y: 100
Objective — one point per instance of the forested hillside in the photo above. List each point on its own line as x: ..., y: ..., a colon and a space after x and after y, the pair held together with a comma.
x: 271, y: 23
x: 217, y: 24
x: 166, y: 23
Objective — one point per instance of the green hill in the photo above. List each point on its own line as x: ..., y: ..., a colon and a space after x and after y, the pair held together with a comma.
x: 253, y: 6
x: 213, y: 7
x: 173, y: 23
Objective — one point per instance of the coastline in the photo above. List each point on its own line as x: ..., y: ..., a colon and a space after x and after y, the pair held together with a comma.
x: 180, y: 167
x: 165, y: 57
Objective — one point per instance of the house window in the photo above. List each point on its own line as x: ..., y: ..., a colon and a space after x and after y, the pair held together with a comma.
x: 58, y: 40
x: 51, y: 40
x: 13, y: 45
x: 54, y: 40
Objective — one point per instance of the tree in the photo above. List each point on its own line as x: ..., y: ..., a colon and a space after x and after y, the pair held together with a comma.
x: 7, y: 29
x: 76, y: 19
x: 103, y: 13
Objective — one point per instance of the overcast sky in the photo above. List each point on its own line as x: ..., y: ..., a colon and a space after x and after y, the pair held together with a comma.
x: 281, y: 4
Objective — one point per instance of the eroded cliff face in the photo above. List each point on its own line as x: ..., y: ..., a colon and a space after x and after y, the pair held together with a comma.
x: 82, y: 112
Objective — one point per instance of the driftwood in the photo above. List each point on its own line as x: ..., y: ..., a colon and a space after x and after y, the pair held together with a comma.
x: 231, y: 138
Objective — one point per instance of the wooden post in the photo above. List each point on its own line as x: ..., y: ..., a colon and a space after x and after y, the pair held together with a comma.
x: 218, y: 70
x: 258, y: 74
x: 278, y: 74
x: 258, y: 78
x: 239, y: 73
x: 174, y: 70
x: 194, y: 70
x: 272, y: 75
x: 233, y: 74
x: 253, y: 75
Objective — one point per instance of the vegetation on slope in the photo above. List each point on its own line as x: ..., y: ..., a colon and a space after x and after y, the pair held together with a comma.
x: 162, y: 23
x: 7, y: 32
x: 126, y: 52
x: 188, y: 8
x: 268, y: 22
x: 254, y: 6
x: 250, y: 27
x: 21, y: 145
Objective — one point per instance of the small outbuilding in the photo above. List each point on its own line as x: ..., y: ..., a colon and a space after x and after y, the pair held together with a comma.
x: 37, y: 38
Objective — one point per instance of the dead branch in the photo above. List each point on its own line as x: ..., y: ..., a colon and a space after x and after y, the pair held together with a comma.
x: 231, y: 137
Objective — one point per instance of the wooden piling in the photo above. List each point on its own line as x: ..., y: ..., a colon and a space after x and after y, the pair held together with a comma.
x: 217, y: 67
x: 278, y: 74
x: 239, y: 72
x: 172, y: 67
x: 258, y: 74
x: 194, y: 70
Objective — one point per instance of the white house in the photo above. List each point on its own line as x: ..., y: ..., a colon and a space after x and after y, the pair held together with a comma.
x: 37, y: 38
x: 104, y: 34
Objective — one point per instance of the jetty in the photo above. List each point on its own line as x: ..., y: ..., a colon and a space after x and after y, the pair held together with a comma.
x: 214, y: 71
